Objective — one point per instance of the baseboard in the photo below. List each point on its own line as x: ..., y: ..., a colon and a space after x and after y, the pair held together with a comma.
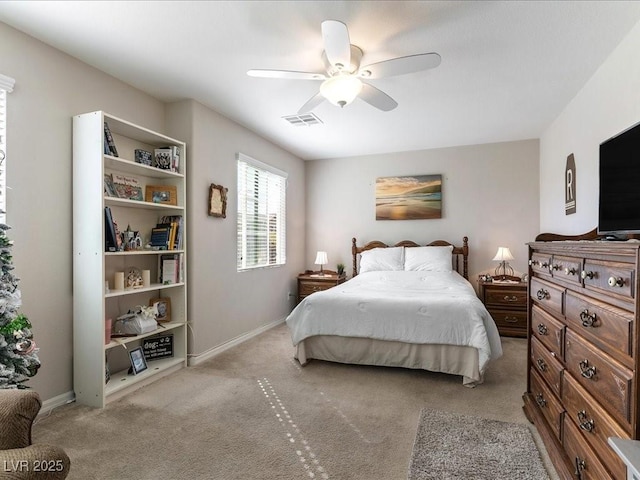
x: 56, y: 402
x: 195, y: 359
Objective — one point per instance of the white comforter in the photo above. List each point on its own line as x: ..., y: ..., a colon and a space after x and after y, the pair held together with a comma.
x: 411, y: 307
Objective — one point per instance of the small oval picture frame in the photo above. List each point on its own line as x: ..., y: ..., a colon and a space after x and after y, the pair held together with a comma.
x: 217, y: 201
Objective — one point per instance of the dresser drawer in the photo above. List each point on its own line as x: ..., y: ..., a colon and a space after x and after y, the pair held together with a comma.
x: 607, y: 380
x: 547, y: 294
x: 586, y: 462
x: 608, y: 327
x: 510, y: 320
x: 547, y: 403
x: 547, y: 365
x: 613, y: 278
x: 548, y: 330
x: 540, y: 263
x: 594, y: 424
x: 567, y: 269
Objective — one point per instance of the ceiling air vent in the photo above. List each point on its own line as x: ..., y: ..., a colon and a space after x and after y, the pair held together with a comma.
x: 302, y: 120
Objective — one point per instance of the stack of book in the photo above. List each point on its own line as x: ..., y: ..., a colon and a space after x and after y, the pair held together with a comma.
x: 168, y: 233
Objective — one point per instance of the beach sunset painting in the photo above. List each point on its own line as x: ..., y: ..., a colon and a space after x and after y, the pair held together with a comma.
x: 414, y: 197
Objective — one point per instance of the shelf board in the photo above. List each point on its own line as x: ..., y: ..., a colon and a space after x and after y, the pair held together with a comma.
x: 123, y: 341
x: 128, y: 166
x: 125, y: 202
x: 143, y: 252
x: 121, y: 380
x: 134, y: 291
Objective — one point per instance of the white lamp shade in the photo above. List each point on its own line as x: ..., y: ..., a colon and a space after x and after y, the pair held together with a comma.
x: 503, y: 254
x: 341, y: 90
x: 321, y: 258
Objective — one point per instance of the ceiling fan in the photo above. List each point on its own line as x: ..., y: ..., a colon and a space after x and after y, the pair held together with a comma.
x: 344, y: 78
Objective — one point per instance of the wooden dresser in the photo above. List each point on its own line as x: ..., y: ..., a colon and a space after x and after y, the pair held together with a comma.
x: 583, y: 352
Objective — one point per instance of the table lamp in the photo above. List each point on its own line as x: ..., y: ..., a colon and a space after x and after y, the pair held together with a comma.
x: 321, y: 259
x: 503, y: 269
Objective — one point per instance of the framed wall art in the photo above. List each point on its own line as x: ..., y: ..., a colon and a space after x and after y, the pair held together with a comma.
x: 218, y: 201
x: 414, y: 197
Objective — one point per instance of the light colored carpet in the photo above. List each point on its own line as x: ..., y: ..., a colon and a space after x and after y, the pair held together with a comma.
x: 254, y: 413
x: 450, y: 446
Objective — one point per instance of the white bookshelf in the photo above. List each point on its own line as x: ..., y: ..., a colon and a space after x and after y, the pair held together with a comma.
x: 93, y: 266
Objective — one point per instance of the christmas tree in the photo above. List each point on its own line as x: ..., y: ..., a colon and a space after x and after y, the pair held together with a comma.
x: 18, y: 352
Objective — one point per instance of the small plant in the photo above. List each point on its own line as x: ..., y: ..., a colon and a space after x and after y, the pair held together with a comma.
x: 340, y: 268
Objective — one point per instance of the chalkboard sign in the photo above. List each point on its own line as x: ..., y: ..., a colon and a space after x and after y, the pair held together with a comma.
x: 158, y: 347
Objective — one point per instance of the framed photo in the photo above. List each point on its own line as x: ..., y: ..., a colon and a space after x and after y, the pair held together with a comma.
x: 414, y: 197
x: 218, y: 201
x: 143, y: 156
x: 167, y: 194
x: 138, y: 363
x: 164, y: 308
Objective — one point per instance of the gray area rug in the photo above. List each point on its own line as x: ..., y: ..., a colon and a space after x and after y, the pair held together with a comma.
x: 452, y: 446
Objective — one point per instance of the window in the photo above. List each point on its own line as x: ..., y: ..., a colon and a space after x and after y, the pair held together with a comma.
x: 261, y: 214
x: 6, y: 85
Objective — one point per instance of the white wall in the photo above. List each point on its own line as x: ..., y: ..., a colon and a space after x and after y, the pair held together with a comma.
x: 50, y: 88
x: 608, y: 104
x: 490, y: 194
x: 224, y: 304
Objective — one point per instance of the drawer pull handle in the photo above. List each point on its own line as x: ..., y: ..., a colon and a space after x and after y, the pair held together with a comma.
x: 616, y: 282
x: 586, y: 424
x: 588, y: 275
x: 544, y: 265
x: 587, y: 371
x: 580, y: 466
x: 541, y: 401
x: 510, y: 298
x: 555, y: 267
x: 541, y: 365
x: 542, y: 329
x: 588, y: 319
x: 542, y: 294
x: 533, y: 263
x: 511, y: 319
x: 570, y: 271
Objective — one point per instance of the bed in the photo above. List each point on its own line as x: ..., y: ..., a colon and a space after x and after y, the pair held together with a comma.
x: 406, y: 306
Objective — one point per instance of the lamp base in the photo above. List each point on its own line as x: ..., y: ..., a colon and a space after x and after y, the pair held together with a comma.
x: 503, y: 270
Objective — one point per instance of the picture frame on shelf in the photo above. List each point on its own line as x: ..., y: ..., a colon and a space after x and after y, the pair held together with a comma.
x: 163, y: 158
x: 138, y: 362
x: 164, y: 309
x: 165, y: 194
x: 217, y: 201
x: 144, y: 157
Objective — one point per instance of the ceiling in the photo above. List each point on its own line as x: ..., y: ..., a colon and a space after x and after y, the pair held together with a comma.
x: 508, y: 67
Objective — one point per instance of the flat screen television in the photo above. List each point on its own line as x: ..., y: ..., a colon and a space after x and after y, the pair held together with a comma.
x: 619, y: 191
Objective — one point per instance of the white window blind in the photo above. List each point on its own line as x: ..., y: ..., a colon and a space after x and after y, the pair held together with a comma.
x: 6, y: 85
x: 261, y: 214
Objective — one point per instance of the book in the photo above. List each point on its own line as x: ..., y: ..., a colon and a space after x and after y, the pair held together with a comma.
x: 109, y: 187
x: 170, y: 268
x: 127, y: 187
x: 110, y: 241
x: 160, y: 237
x: 176, y: 222
x: 109, y: 138
x: 175, y: 158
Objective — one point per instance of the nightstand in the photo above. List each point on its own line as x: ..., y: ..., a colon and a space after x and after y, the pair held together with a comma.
x: 311, y: 282
x: 507, y: 304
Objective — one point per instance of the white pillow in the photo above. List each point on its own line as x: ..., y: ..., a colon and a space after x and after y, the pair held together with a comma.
x: 382, y: 259
x: 434, y: 259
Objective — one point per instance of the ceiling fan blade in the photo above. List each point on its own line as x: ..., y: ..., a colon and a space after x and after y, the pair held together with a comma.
x: 400, y: 65
x: 377, y: 98
x: 337, y: 45
x: 312, y: 103
x: 286, y: 74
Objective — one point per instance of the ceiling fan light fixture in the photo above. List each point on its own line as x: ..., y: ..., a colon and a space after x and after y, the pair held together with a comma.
x: 341, y: 90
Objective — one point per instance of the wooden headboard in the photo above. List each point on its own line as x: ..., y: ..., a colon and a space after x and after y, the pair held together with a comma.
x: 457, y: 253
